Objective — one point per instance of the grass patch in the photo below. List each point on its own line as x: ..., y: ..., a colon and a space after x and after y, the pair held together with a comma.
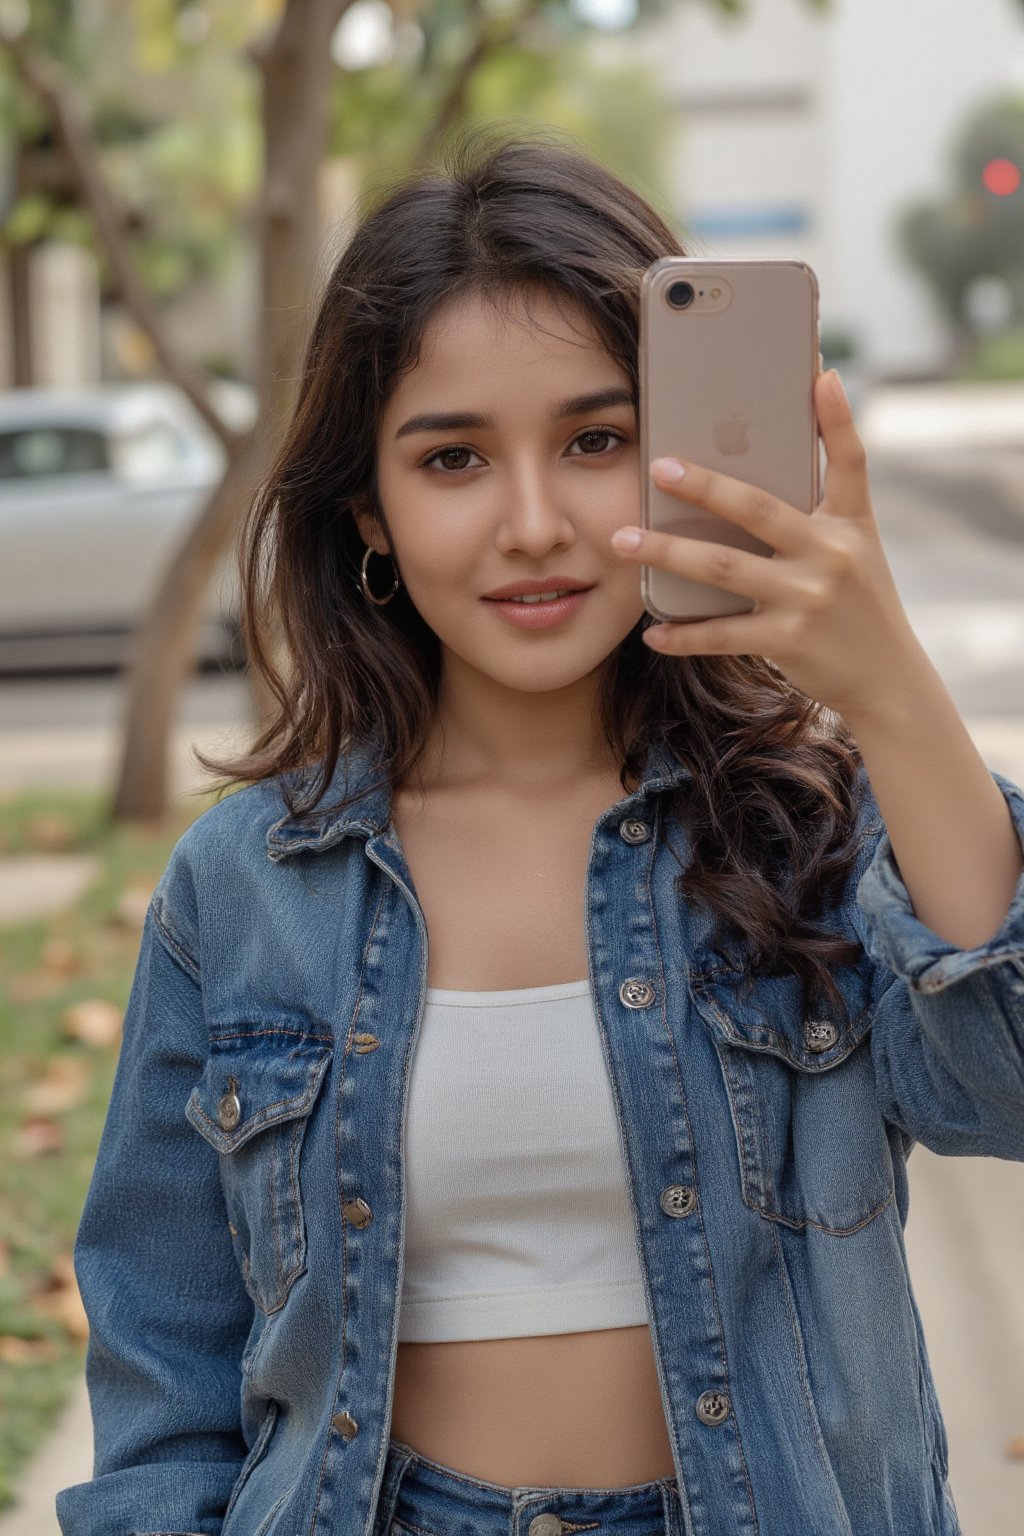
x: 55, y: 1087
x: 999, y: 356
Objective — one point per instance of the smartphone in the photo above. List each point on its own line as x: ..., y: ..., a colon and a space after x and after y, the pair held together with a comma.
x: 729, y: 351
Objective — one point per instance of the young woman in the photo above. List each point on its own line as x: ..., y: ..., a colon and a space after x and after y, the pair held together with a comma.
x: 587, y: 1214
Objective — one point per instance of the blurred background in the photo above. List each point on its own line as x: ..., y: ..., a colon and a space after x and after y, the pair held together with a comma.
x: 175, y: 176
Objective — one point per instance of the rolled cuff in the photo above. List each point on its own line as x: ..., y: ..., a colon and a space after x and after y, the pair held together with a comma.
x: 898, y: 939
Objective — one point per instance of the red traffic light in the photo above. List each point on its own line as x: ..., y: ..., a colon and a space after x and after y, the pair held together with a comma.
x: 1001, y: 177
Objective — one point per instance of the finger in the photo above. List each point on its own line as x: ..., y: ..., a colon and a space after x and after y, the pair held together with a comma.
x: 766, y: 516
x: 726, y: 636
x: 738, y: 571
x: 846, y: 474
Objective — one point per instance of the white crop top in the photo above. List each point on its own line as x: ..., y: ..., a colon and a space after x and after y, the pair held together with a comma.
x: 518, y: 1219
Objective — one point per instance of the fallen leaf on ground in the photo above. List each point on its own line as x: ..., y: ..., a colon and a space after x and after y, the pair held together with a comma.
x: 60, y: 956
x: 59, y: 1297
x: 133, y: 905
x: 33, y: 986
x: 18, y: 1351
x: 36, y: 1136
x: 64, y: 1084
x: 93, y: 1021
x: 49, y: 831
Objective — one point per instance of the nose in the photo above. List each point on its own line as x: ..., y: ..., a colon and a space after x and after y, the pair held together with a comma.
x: 535, y: 514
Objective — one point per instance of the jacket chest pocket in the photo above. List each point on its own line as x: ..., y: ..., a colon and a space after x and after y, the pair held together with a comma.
x: 252, y: 1104
x: 811, y: 1142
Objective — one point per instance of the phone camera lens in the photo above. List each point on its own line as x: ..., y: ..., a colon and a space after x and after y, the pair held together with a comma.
x: 680, y: 295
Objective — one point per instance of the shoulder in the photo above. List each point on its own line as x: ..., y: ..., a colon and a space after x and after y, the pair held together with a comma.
x: 214, y: 852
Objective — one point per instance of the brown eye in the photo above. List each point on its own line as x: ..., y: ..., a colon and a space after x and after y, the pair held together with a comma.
x: 445, y: 454
x: 602, y: 433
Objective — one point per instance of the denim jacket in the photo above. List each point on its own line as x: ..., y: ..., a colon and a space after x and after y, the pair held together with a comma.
x: 240, y: 1251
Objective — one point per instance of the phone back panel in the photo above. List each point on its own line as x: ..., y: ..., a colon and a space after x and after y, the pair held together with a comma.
x: 733, y: 390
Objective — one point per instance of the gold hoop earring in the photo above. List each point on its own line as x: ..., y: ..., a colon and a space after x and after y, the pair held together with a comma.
x: 380, y: 601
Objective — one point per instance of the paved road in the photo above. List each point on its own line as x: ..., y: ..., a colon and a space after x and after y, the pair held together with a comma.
x: 949, y: 494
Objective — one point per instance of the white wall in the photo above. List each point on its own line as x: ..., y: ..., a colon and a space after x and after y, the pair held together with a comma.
x: 800, y: 135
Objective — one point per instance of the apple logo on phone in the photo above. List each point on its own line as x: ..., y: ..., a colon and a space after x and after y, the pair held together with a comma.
x: 732, y: 435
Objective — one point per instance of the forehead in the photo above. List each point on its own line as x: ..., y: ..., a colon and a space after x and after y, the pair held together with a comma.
x: 535, y: 335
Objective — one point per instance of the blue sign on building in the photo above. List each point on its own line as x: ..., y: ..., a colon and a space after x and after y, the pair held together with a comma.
x: 765, y: 219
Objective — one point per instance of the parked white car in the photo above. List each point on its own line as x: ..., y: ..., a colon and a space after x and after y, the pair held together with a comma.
x: 98, y: 486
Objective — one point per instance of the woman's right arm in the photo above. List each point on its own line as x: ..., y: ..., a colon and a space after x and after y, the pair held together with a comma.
x: 168, y: 1313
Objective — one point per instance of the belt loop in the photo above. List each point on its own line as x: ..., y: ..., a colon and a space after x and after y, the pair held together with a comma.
x: 672, y: 1501
x: 402, y: 1457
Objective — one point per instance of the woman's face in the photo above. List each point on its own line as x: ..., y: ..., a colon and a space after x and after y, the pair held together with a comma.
x: 533, y: 486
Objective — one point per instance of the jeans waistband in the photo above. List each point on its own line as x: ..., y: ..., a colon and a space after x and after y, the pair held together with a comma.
x: 428, y: 1499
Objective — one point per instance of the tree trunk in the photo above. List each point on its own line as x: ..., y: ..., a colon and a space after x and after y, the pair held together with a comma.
x: 164, y: 653
x: 296, y: 66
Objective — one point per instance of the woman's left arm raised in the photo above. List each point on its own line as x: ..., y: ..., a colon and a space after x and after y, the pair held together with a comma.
x: 830, y: 617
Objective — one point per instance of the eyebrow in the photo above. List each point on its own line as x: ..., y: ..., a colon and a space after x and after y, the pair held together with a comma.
x: 578, y: 405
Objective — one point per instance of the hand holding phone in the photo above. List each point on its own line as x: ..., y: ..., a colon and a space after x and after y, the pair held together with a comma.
x: 729, y: 352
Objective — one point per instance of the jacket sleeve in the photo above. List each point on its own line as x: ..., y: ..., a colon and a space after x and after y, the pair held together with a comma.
x: 947, y: 1036
x: 168, y: 1314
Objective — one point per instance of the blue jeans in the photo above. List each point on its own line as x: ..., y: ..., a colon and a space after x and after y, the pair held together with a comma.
x: 419, y: 1497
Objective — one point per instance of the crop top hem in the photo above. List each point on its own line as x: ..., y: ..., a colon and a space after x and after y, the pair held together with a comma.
x: 513, y: 1314
x: 452, y: 997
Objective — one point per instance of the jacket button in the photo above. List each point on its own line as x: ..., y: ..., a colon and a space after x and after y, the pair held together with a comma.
x: 713, y: 1407
x: 229, y: 1111
x: 820, y: 1034
x: 545, y: 1525
x: 357, y: 1212
x: 636, y: 993
x: 677, y: 1200
x: 633, y: 830
x: 346, y: 1424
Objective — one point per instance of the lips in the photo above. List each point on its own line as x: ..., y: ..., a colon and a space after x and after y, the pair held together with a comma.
x: 543, y: 615
x: 534, y: 585
x: 535, y: 597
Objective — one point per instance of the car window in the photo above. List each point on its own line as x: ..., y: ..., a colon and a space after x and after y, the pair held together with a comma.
x: 149, y: 453
x: 33, y: 452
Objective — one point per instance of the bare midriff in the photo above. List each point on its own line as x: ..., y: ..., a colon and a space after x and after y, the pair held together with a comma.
x: 501, y: 880
x: 566, y: 1410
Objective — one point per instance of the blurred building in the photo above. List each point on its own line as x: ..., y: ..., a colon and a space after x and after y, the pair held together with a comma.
x: 802, y: 134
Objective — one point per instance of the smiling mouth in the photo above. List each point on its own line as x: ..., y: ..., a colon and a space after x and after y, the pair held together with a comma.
x: 536, y: 597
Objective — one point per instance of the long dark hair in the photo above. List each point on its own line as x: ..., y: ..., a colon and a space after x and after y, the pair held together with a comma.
x: 772, y: 806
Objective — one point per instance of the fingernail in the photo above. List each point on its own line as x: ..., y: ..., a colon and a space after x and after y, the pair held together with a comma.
x: 668, y: 469
x: 627, y: 538
x: 836, y: 392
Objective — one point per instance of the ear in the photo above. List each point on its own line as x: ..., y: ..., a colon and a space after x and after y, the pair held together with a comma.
x: 368, y: 524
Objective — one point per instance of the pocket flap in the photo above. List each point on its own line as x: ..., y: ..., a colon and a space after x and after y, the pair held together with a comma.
x: 274, y: 1077
x: 771, y: 1016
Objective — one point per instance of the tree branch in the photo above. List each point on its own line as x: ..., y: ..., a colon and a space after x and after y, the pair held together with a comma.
x: 492, y: 34
x: 71, y: 130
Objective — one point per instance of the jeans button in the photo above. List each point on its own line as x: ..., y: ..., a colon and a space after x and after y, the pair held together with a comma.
x: 713, y: 1407
x: 677, y: 1199
x: 357, y: 1212
x: 545, y: 1525
x: 636, y: 993
x: 820, y: 1034
x: 229, y: 1110
x: 633, y: 830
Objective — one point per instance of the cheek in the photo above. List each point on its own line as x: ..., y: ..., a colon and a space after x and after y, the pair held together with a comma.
x: 441, y: 553
x: 616, y: 499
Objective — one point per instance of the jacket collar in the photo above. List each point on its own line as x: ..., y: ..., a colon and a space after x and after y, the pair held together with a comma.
x: 370, y: 810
